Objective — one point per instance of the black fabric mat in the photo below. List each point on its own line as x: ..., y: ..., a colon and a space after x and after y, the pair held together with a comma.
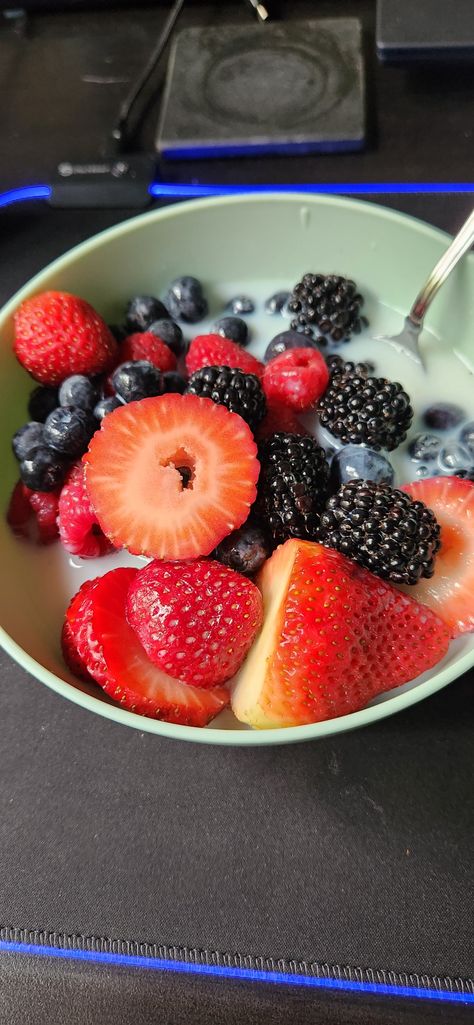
x: 352, y: 853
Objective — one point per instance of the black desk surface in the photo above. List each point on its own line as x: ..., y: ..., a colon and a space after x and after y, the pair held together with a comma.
x: 347, y: 858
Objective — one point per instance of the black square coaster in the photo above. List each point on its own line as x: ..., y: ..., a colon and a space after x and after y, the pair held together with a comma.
x: 293, y: 87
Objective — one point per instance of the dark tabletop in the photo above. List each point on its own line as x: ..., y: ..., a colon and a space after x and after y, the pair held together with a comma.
x: 350, y: 857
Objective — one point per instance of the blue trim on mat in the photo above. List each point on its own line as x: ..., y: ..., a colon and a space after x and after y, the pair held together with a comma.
x: 228, y: 972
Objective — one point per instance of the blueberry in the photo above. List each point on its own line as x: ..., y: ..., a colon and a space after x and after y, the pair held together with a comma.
x: 170, y: 333
x: 173, y: 382
x: 27, y: 438
x: 43, y: 470
x: 69, y: 430
x: 245, y: 550
x: 287, y: 340
x: 185, y: 300
x: 355, y: 462
x: 41, y: 403
x: 454, y: 456
x: 466, y: 436
x: 142, y: 310
x: 105, y: 406
x: 79, y: 391
x: 277, y: 302
x: 136, y: 380
x: 240, y: 304
x: 234, y: 328
x: 443, y: 416
x: 119, y: 331
x: 465, y: 474
x: 424, y: 448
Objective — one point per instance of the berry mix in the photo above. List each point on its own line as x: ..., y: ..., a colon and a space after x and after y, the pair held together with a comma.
x: 287, y: 572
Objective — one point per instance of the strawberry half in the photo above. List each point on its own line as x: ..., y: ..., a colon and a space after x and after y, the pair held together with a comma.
x: 131, y: 678
x: 196, y: 620
x: 215, y: 351
x: 334, y: 636
x: 80, y: 649
x: 170, y: 476
x: 450, y: 591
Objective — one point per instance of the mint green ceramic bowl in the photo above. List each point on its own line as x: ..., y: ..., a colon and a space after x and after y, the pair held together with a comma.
x: 261, y: 239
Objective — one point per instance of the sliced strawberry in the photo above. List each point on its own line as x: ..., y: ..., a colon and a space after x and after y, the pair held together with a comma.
x: 196, y: 620
x: 131, y: 678
x: 215, y: 351
x: 450, y: 591
x: 334, y: 636
x: 79, y: 646
x: 170, y: 476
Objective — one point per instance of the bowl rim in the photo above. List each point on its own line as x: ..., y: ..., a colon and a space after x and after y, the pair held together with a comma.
x: 210, y: 735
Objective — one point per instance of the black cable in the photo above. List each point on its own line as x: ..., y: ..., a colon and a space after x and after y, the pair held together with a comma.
x: 119, y: 131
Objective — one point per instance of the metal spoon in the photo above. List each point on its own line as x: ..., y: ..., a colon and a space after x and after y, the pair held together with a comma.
x: 407, y: 341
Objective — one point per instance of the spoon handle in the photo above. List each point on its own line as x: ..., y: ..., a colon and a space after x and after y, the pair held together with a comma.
x: 460, y: 244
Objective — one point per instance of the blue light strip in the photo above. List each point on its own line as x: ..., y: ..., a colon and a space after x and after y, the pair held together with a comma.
x: 25, y: 193
x: 163, y: 190
x: 182, y: 190
x: 228, y: 972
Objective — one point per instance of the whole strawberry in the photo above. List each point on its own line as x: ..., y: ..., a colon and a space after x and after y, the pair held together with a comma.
x: 196, y: 620
x: 57, y: 334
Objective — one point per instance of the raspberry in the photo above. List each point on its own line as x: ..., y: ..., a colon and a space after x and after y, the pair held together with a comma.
x: 57, y: 334
x: 214, y: 351
x: 296, y: 378
x: 33, y: 514
x: 149, y: 347
x: 78, y: 525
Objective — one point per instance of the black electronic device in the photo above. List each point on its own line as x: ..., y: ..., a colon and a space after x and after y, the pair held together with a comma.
x: 430, y: 30
x: 277, y: 87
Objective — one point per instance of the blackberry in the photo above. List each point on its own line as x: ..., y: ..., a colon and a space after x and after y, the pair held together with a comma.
x: 338, y: 366
x: 328, y: 302
x: 363, y: 410
x: 292, y: 486
x: 241, y: 393
x: 382, y: 529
